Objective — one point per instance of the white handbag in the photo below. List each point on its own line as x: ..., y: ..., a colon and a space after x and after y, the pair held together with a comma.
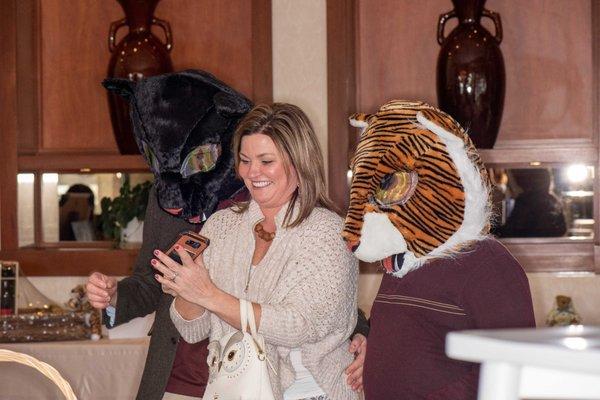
x: 238, y: 364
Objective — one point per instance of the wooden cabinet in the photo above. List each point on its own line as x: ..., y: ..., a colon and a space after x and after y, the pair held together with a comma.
x: 381, y: 50
x: 547, y: 50
x: 63, y: 57
x: 55, y: 111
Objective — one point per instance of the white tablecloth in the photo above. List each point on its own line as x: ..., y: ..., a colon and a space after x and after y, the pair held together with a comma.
x: 548, y: 363
x: 106, y: 369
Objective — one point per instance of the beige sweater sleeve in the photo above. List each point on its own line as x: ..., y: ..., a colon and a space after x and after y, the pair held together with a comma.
x: 322, y: 278
x: 192, y: 331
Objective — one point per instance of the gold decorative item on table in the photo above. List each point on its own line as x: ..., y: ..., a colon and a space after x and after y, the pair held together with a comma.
x: 44, y: 327
x: 80, y: 303
x: 47, y: 370
x: 37, y: 319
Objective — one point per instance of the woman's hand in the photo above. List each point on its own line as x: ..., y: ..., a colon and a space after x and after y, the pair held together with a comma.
x: 358, y: 347
x: 167, y: 290
x: 191, y: 280
x: 101, y: 290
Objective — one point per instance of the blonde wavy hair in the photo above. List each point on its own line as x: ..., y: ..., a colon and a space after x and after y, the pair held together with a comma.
x: 293, y: 134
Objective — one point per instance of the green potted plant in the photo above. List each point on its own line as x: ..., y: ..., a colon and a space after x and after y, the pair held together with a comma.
x: 122, y: 216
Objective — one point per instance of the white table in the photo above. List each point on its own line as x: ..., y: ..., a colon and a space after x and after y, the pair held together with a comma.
x: 106, y: 369
x: 548, y: 363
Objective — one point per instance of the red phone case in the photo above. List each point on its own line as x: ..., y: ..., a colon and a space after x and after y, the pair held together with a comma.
x: 191, y: 242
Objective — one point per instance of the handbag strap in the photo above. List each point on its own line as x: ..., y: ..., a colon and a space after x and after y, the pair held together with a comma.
x: 243, y: 315
x: 251, y: 320
x: 247, y: 318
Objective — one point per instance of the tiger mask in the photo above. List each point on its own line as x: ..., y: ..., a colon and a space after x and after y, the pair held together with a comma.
x: 419, y: 189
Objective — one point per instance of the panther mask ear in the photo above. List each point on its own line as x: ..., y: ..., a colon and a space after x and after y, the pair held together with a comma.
x: 230, y: 105
x: 122, y: 87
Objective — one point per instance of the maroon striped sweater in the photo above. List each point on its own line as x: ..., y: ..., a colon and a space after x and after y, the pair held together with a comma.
x: 484, y: 288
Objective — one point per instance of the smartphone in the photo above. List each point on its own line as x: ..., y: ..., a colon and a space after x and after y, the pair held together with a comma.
x: 191, y: 242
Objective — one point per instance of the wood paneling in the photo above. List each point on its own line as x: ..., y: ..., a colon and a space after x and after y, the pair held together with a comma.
x: 74, y: 58
x: 546, y: 50
x: 552, y: 254
x: 8, y: 126
x: 28, y: 107
x: 396, y: 51
x: 548, y: 58
x: 213, y: 35
x: 79, y: 162
x: 557, y: 151
x: 341, y: 95
x: 262, y: 49
x: 538, y: 255
x: 73, y: 262
x: 229, y: 38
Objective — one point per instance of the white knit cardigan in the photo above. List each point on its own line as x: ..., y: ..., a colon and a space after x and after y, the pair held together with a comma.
x: 306, y: 285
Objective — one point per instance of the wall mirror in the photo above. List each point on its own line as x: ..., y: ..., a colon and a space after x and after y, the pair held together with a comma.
x: 69, y: 206
x: 544, y: 202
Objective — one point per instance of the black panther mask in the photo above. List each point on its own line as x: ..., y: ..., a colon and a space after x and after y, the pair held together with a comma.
x: 183, y: 124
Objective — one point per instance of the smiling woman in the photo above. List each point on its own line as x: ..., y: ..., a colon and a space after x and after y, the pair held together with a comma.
x: 290, y: 142
x: 281, y: 251
x: 266, y: 173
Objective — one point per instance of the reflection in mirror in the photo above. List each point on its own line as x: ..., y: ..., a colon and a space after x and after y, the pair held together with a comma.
x: 25, y: 211
x: 71, y: 203
x: 543, y: 202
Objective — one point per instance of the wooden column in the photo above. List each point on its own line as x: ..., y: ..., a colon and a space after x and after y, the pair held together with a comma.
x: 8, y: 126
x: 262, y: 52
x: 341, y: 94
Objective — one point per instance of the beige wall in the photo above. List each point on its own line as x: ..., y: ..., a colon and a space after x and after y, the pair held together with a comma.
x: 583, y: 288
x: 300, y: 59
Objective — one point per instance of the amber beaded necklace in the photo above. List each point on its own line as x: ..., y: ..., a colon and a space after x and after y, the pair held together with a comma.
x: 264, y: 235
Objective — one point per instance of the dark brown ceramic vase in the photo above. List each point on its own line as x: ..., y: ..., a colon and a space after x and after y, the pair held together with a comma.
x: 137, y: 55
x: 470, y: 71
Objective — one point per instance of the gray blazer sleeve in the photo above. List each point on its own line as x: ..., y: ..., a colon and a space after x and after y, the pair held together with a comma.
x: 139, y: 294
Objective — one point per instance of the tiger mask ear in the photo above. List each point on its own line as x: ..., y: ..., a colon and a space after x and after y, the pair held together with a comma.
x: 360, y: 120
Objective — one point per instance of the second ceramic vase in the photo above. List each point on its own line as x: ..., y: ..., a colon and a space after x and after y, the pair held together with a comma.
x: 470, y: 71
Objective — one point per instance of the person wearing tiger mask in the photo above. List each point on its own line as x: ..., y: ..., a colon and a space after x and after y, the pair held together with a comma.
x: 419, y: 204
